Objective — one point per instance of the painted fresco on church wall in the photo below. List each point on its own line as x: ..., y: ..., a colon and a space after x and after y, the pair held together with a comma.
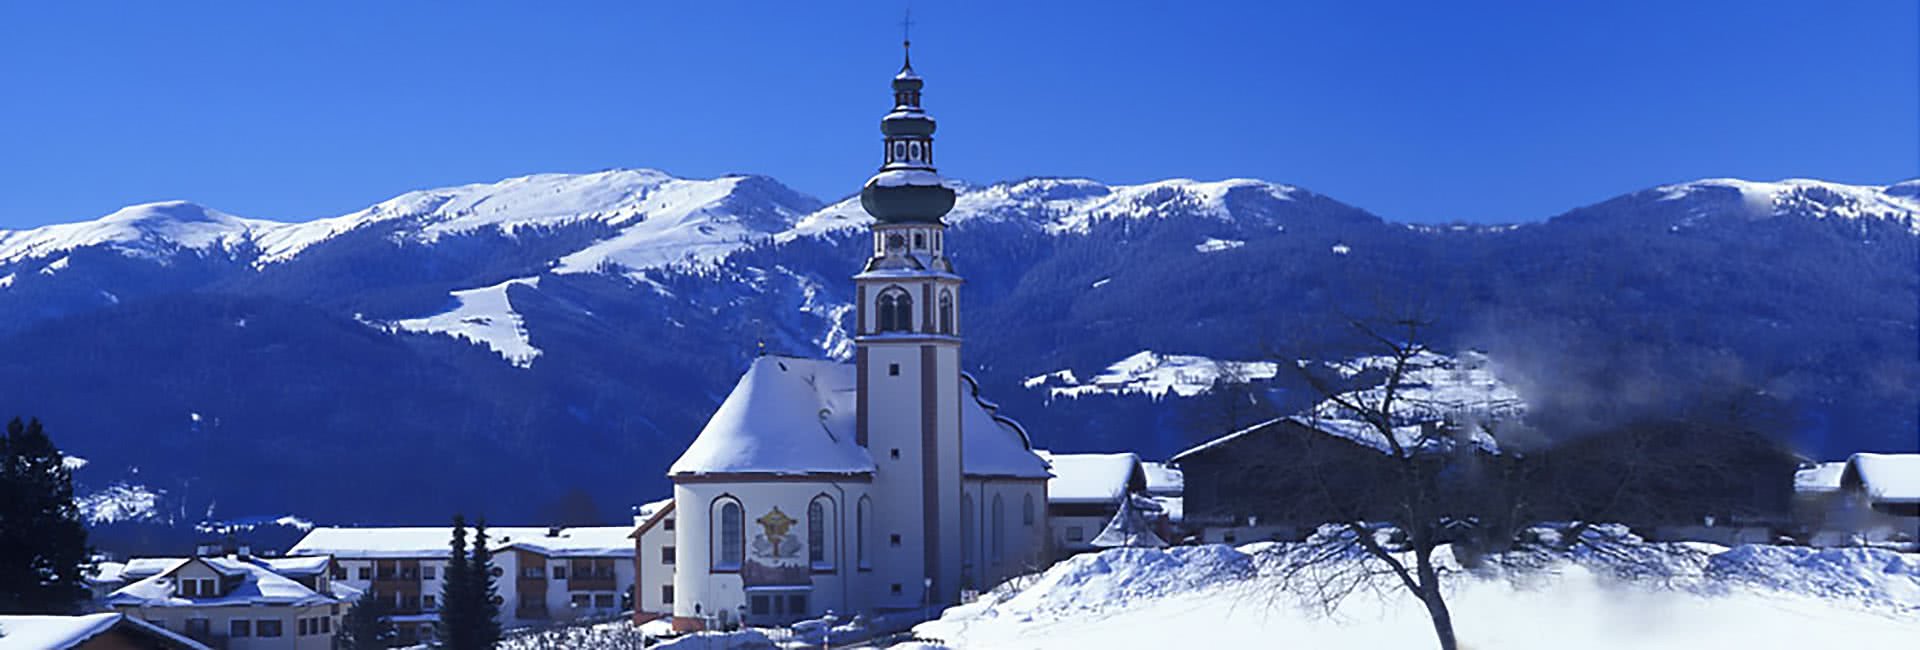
x: 774, y: 557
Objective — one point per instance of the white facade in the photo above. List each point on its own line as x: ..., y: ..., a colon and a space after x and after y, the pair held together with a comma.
x: 236, y: 602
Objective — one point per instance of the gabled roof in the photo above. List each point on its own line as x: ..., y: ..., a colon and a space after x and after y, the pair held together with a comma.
x: 259, y: 585
x: 1885, y: 478
x: 67, y: 632
x: 1411, y: 437
x: 585, y: 541
x: 787, y: 416
x: 651, y: 515
x: 1093, y: 478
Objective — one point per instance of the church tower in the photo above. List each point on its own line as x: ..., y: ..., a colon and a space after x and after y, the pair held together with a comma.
x: 907, y: 356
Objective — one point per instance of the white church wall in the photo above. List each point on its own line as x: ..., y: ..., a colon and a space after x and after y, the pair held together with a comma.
x: 702, y: 587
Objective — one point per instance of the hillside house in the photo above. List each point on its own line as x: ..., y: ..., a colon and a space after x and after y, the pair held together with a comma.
x: 104, y: 631
x: 654, y: 559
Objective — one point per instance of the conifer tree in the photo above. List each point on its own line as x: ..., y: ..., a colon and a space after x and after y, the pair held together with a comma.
x: 43, y: 543
x: 455, y: 612
x: 485, y: 611
x: 367, y: 626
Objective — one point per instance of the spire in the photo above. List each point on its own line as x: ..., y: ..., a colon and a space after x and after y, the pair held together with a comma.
x: 907, y: 188
x: 906, y: 43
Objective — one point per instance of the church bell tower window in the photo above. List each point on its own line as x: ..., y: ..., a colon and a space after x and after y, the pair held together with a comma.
x: 895, y: 310
x: 946, y: 311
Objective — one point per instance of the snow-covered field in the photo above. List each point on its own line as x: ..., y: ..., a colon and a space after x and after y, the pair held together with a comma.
x: 1215, y: 597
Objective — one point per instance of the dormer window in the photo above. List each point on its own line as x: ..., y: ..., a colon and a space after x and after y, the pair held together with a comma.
x: 919, y: 241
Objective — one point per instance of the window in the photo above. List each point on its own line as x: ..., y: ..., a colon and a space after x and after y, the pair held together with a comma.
x: 895, y: 589
x: 919, y: 241
x: 198, y: 627
x: 303, y: 627
x: 899, y: 150
x: 998, y: 545
x: 946, y: 311
x: 266, y: 627
x: 209, y: 587
x: 893, y: 370
x: 426, y: 572
x: 189, y: 588
x: 666, y: 594
x: 339, y: 572
x: 366, y: 573
x: 913, y: 150
x: 426, y: 602
x: 1026, y: 511
x: 667, y: 525
x: 559, y: 572
x: 863, y: 514
x: 817, y: 534
x: 796, y: 604
x: 326, y: 624
x: 582, y: 601
x: 533, y: 572
x: 239, y: 627
x: 666, y: 555
x: 1076, y: 534
x: 895, y: 453
x: 732, y: 536
x: 603, y: 601
x: 759, y: 605
x: 895, y: 308
x: 894, y: 539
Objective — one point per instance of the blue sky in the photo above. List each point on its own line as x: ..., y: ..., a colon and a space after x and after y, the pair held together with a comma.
x: 1418, y: 111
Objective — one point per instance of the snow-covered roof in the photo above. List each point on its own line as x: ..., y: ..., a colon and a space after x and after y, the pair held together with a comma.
x: 994, y: 444
x: 433, y: 541
x: 259, y: 585
x: 106, y: 572
x: 1824, y: 477
x: 788, y: 416
x: 298, y: 566
x: 1162, y: 479
x: 794, y: 416
x: 64, y: 632
x: 586, y: 541
x: 1092, y: 478
x: 649, y: 509
x: 1885, y: 478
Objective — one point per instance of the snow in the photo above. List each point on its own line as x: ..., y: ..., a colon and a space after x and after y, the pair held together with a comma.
x: 1887, y: 478
x: 1433, y: 387
x: 1090, y: 478
x: 121, y: 501
x: 147, y: 230
x: 73, y: 463
x: 485, y: 316
x: 432, y: 541
x: 1162, y: 479
x: 1824, y: 477
x: 259, y: 585
x: 1155, y: 375
x: 1215, y: 245
x: 1342, y: 249
x: 1217, y: 596
x: 905, y: 177
x: 994, y: 445
x: 1072, y: 205
x: 786, y: 416
x: 56, y: 266
x: 33, y: 632
x: 1127, y: 529
x: 6, y: 280
x: 1821, y: 199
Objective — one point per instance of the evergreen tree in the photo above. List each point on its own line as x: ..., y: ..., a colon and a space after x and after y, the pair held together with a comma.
x: 43, y: 543
x: 366, y: 626
x: 486, y: 611
x: 455, y: 612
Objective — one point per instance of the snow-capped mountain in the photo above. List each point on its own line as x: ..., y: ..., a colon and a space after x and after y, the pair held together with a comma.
x: 575, y: 330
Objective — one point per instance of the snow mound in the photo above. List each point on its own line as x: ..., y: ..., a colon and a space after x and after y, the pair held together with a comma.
x: 1873, y: 576
x: 1094, y: 581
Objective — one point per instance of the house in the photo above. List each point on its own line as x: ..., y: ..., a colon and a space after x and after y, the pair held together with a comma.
x: 1085, y: 493
x: 104, y: 631
x: 1280, y: 479
x: 1869, y: 498
x: 1670, y: 481
x: 542, y: 574
x: 235, y: 600
x: 886, y: 484
x: 653, y: 561
x: 1166, y: 487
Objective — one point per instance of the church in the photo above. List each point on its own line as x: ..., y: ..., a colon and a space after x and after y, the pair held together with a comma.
x: 882, y: 485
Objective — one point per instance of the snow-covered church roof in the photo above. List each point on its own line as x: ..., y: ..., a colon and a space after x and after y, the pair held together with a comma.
x: 794, y: 416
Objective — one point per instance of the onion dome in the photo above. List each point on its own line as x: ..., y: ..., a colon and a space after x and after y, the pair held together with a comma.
x: 907, y: 188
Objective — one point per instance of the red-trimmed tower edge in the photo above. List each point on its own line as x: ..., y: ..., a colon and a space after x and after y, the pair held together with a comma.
x: 907, y: 353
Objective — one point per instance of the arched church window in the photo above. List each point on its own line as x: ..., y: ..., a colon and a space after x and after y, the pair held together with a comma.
x: 895, y: 307
x: 1026, y: 511
x: 899, y: 151
x: 818, y: 551
x: 946, y: 311
x: 913, y: 150
x: 732, y: 538
x: 966, y: 530
x: 999, y: 543
x: 863, y: 515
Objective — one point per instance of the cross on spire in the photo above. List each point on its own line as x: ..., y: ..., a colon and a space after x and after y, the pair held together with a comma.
x: 906, y: 39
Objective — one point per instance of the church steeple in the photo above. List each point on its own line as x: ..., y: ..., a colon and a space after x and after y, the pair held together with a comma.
x: 907, y: 188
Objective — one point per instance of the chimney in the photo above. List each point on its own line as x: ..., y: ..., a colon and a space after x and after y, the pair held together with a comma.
x: 553, y: 531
